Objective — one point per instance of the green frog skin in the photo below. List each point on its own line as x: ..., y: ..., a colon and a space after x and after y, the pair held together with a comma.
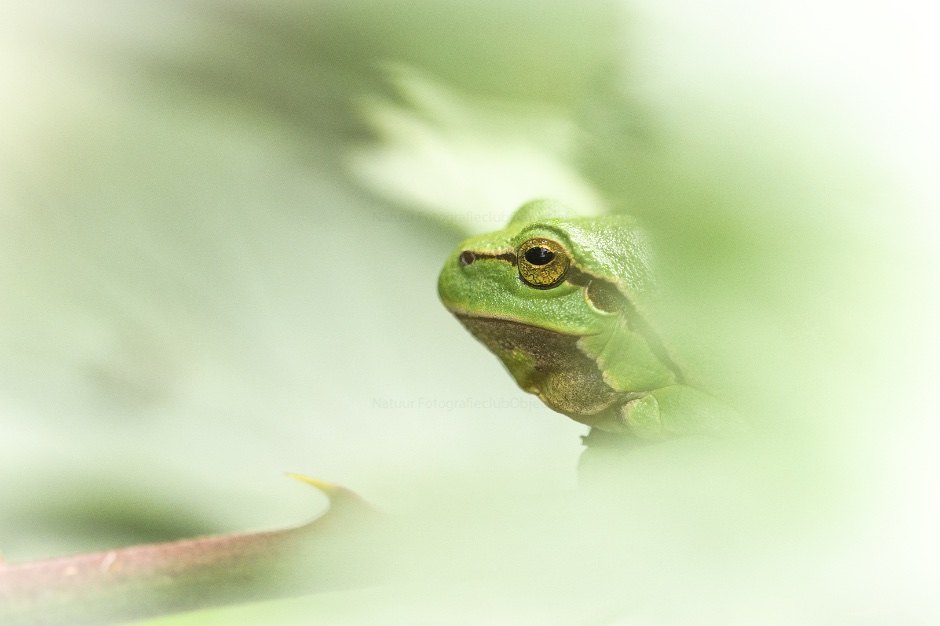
x: 562, y: 301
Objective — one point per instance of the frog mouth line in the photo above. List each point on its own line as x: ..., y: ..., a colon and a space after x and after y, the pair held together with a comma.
x: 465, y: 317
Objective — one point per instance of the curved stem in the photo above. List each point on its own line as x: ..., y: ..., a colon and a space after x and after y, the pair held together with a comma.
x: 148, y: 580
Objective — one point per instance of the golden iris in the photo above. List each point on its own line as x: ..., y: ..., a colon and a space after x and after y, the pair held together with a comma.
x: 542, y: 263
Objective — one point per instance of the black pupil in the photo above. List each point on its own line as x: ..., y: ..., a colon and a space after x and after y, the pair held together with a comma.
x: 539, y: 255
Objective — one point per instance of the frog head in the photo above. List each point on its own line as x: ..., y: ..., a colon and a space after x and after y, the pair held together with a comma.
x: 536, y: 290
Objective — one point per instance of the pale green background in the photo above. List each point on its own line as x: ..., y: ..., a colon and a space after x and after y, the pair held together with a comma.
x: 206, y: 281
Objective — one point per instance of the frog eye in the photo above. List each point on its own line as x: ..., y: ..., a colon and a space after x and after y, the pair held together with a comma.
x: 542, y: 263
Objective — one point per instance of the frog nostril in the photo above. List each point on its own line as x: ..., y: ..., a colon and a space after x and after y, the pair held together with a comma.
x: 467, y: 257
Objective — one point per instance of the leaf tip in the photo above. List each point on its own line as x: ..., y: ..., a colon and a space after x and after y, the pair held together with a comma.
x: 326, y: 487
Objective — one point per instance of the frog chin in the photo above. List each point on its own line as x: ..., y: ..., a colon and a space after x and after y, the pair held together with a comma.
x: 547, y: 363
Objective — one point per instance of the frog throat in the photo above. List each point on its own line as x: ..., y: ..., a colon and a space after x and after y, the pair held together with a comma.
x: 548, y: 364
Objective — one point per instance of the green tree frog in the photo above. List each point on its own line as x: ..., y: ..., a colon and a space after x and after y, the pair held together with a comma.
x: 563, y: 301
